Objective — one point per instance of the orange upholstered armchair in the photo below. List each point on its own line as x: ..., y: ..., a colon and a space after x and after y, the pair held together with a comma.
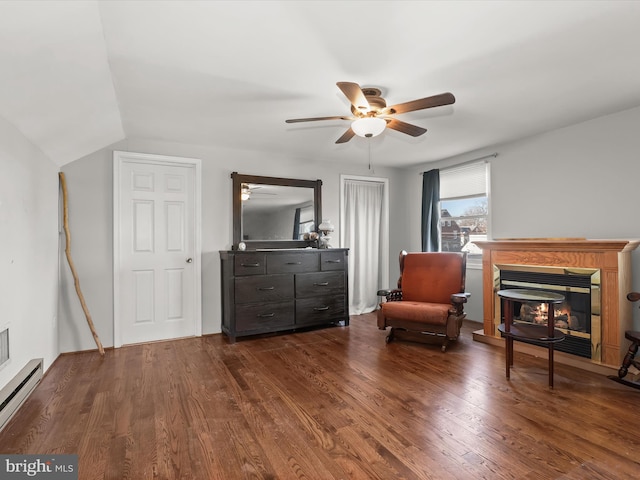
x: 428, y: 304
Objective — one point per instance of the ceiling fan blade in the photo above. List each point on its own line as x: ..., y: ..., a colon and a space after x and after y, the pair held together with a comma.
x: 428, y: 102
x: 355, y: 95
x: 348, y: 135
x: 404, y: 127
x: 297, y: 120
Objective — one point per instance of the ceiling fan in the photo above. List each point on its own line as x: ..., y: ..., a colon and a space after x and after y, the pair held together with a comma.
x: 371, y: 114
x: 249, y: 189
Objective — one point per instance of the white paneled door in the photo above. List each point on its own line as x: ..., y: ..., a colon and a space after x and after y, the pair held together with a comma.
x: 156, y: 267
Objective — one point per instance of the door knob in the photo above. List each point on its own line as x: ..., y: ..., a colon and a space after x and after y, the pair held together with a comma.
x: 189, y: 260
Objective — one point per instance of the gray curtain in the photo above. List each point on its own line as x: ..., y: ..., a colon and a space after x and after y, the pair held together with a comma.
x: 431, y: 211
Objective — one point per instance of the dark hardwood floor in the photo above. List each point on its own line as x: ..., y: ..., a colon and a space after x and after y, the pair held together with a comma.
x: 335, y: 403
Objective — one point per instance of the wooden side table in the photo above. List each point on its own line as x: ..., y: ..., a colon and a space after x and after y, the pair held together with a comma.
x: 542, y: 335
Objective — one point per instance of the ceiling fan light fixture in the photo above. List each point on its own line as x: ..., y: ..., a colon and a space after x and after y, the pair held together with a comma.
x: 368, y: 126
x: 245, y: 192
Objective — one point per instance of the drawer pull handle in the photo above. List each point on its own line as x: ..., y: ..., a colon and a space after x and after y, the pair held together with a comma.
x: 250, y: 264
x: 333, y: 261
x: 294, y: 263
x: 266, y: 315
x: 321, y: 309
x: 262, y: 289
x: 321, y: 284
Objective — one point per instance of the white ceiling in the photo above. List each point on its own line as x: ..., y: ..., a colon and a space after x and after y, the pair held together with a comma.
x: 76, y: 76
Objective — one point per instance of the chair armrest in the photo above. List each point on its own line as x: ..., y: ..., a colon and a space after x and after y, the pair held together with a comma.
x: 457, y: 303
x: 458, y: 298
x: 392, y: 295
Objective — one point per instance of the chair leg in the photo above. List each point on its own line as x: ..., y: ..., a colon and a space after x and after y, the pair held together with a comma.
x: 389, y: 337
x: 628, y: 359
x: 445, y: 344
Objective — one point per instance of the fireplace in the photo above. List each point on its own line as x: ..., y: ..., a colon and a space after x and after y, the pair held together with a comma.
x: 578, y: 317
x: 601, y: 270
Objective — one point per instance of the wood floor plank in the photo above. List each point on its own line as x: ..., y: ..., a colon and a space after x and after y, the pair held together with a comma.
x: 327, y: 404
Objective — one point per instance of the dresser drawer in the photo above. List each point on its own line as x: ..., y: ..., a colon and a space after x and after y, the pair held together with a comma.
x: 310, y: 311
x: 263, y: 288
x: 333, y: 260
x: 265, y: 317
x: 319, y: 284
x: 250, y: 264
x: 292, y: 263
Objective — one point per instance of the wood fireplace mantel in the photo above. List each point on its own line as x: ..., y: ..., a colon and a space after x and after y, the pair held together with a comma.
x: 611, y: 257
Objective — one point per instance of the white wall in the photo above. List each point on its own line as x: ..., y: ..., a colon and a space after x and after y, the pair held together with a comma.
x: 90, y: 204
x: 579, y: 181
x: 89, y: 185
x: 28, y: 251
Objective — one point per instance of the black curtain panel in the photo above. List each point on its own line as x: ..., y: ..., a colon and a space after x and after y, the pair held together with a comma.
x: 431, y: 211
x: 296, y: 224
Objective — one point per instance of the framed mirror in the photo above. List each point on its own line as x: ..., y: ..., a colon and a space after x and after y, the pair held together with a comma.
x: 273, y: 212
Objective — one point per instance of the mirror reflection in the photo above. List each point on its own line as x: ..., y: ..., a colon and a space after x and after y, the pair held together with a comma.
x: 276, y: 212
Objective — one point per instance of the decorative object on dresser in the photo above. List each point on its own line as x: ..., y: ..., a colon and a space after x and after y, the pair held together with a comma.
x: 273, y: 290
x: 326, y: 227
x: 428, y: 304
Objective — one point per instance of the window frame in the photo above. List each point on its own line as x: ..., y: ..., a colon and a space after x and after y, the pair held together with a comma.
x: 467, y: 192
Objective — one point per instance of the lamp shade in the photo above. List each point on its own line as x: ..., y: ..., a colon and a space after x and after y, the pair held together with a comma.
x: 368, y: 126
x: 326, y: 226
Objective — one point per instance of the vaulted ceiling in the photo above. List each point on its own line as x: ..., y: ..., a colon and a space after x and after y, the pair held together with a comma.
x: 77, y: 76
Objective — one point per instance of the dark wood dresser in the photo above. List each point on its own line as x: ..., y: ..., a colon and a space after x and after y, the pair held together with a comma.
x: 267, y: 291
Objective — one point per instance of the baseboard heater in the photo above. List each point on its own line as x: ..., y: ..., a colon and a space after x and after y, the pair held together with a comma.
x: 18, y: 389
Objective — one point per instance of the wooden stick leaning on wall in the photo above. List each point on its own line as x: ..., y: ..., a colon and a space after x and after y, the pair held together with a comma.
x: 67, y: 251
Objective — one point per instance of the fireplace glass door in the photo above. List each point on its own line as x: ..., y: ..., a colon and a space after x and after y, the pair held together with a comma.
x: 578, y: 316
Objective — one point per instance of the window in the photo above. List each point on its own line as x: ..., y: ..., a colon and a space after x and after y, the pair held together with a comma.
x: 305, y: 223
x: 464, y: 209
